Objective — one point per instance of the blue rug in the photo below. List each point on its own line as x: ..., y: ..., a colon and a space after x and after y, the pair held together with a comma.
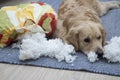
x: 111, y: 22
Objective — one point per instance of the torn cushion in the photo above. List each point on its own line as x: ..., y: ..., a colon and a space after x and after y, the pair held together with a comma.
x: 14, y: 17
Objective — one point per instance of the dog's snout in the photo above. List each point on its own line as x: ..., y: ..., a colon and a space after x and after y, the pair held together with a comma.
x: 99, y: 52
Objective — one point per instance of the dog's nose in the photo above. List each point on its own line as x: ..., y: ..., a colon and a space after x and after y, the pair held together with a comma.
x: 99, y: 53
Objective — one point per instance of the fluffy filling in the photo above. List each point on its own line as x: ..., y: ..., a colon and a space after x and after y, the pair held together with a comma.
x: 35, y: 44
x: 112, y: 50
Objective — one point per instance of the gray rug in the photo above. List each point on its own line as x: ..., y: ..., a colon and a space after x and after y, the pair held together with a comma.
x: 111, y: 22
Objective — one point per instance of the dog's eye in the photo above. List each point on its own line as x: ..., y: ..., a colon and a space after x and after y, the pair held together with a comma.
x: 99, y: 37
x: 87, y: 40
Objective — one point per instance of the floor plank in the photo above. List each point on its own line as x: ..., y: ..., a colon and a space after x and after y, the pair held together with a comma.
x: 20, y: 72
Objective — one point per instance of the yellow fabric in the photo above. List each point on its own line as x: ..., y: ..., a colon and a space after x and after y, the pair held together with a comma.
x: 17, y: 16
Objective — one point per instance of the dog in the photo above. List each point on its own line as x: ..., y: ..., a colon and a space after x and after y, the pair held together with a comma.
x: 79, y: 24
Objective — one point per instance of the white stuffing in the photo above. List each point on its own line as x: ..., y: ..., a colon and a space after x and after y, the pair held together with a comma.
x: 35, y: 44
x: 92, y: 56
x: 112, y: 50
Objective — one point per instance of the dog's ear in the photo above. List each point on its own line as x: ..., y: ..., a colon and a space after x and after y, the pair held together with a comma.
x: 103, y: 32
x: 72, y: 37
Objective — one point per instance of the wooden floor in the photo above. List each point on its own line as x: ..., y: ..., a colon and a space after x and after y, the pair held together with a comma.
x: 18, y: 72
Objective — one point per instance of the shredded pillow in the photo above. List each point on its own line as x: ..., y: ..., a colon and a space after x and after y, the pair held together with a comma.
x: 54, y: 48
x: 14, y: 17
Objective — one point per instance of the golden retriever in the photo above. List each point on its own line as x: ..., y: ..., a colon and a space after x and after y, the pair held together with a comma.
x: 79, y: 24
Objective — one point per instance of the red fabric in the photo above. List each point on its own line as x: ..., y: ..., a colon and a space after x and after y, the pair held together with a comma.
x: 40, y: 22
x: 1, y: 36
x: 9, y: 41
x: 41, y: 3
x: 52, y: 24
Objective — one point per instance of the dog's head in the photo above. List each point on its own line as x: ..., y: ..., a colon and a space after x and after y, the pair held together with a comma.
x: 87, y: 37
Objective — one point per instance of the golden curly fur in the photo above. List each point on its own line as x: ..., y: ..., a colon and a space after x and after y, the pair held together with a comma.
x: 79, y: 24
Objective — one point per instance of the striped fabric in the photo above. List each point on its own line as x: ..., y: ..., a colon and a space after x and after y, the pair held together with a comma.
x: 14, y: 17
